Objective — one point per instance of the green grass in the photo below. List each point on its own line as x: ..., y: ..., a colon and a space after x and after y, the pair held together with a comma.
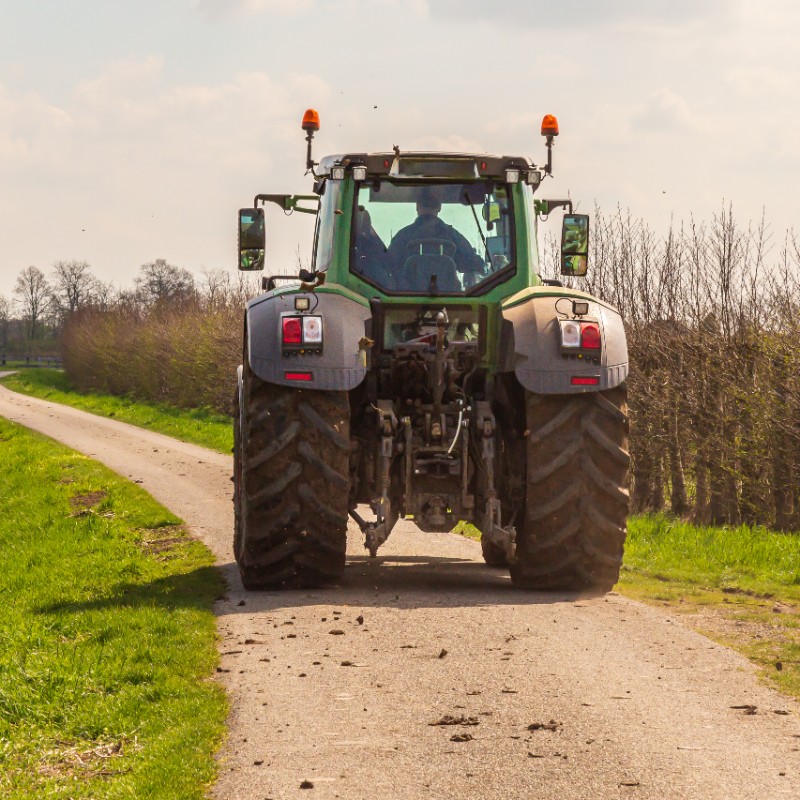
x: 743, y: 559
x: 107, y: 636
x: 740, y: 586
x: 201, y: 426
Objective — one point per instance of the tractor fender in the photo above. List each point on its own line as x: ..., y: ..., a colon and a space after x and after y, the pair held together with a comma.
x: 340, y: 365
x: 531, y: 344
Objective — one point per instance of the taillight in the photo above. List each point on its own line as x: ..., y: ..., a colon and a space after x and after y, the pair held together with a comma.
x: 590, y: 336
x: 312, y: 330
x: 577, y: 335
x: 584, y: 380
x: 292, y: 330
x: 570, y: 333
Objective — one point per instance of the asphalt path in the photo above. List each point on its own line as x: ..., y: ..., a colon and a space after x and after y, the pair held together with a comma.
x: 425, y: 674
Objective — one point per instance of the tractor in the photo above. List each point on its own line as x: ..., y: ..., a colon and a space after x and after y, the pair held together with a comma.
x: 422, y: 369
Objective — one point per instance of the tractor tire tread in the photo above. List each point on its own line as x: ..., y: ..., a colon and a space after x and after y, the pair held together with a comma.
x: 291, y: 485
x: 576, y: 494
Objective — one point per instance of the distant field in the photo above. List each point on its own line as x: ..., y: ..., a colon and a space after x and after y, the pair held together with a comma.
x: 200, y: 426
x: 107, y: 636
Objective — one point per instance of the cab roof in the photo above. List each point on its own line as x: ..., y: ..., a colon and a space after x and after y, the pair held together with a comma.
x: 417, y: 164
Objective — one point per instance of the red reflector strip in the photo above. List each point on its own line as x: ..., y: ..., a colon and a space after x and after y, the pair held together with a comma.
x: 298, y: 376
x: 584, y: 380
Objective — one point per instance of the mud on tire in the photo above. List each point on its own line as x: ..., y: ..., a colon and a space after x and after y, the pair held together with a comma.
x: 577, y: 492
x: 291, y: 484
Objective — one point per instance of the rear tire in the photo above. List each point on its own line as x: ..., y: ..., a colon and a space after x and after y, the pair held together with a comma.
x: 291, y: 485
x: 577, y: 492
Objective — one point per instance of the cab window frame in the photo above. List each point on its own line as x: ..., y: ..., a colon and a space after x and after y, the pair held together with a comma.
x: 328, y: 200
x: 489, y: 281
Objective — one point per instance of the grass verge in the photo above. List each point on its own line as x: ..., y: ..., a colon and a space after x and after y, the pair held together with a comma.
x: 738, y: 586
x: 201, y: 426
x: 107, y: 636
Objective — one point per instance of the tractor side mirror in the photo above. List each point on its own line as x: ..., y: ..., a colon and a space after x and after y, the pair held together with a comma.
x: 490, y: 213
x: 252, y: 239
x: 574, y: 244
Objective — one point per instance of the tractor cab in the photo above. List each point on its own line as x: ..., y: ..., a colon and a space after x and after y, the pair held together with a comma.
x: 424, y: 224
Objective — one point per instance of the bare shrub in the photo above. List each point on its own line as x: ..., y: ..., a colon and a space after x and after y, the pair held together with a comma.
x: 712, y: 313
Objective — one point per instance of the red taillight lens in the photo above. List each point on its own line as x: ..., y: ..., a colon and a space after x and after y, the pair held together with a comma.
x: 590, y: 336
x: 298, y: 376
x: 292, y: 330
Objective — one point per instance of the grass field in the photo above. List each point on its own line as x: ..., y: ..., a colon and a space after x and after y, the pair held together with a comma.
x: 107, y: 637
x: 200, y: 425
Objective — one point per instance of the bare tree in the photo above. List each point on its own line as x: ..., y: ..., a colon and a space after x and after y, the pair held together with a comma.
x: 33, y: 293
x: 73, y: 286
x: 5, y: 318
x: 216, y: 287
x: 160, y: 282
x: 103, y: 294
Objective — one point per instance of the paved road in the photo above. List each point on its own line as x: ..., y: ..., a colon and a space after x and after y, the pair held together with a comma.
x: 558, y: 696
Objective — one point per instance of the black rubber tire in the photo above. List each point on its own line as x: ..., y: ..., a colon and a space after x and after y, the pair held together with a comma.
x: 576, y: 494
x: 291, y: 485
x: 237, y: 477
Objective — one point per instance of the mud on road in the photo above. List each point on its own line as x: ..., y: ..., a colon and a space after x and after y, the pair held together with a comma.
x: 425, y: 674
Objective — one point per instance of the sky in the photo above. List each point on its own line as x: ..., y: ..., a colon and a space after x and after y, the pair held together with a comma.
x: 131, y: 131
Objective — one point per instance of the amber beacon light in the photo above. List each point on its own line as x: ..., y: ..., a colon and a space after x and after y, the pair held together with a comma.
x: 311, y: 121
x: 549, y: 131
x: 310, y: 125
x: 549, y: 125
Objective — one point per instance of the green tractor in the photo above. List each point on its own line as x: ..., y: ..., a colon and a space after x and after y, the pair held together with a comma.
x: 423, y: 369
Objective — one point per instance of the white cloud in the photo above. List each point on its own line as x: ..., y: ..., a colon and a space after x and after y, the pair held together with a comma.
x: 757, y: 81
x: 416, y: 8
x: 579, y: 15
x: 665, y: 112
x: 452, y: 143
x: 27, y: 122
x: 662, y: 114
x: 126, y: 77
x: 237, y: 9
x: 514, y: 122
x: 136, y: 167
x: 246, y: 8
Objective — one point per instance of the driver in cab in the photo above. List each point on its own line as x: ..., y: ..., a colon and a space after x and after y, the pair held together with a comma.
x: 428, y: 244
